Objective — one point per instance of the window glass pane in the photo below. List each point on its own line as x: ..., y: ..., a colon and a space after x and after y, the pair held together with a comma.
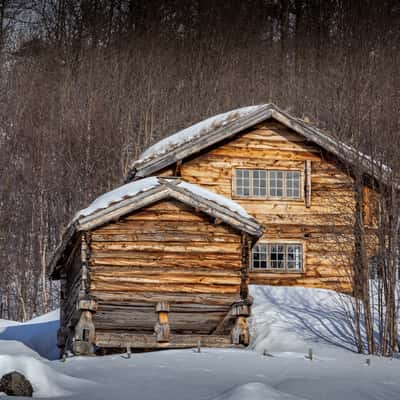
x: 259, y: 182
x: 276, y: 183
x: 259, y: 256
x: 293, y: 184
x: 243, y: 182
x: 277, y: 256
x: 294, y: 257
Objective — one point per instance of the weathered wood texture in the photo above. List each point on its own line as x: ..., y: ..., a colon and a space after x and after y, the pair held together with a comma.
x: 71, y: 286
x: 167, y: 255
x: 325, y: 227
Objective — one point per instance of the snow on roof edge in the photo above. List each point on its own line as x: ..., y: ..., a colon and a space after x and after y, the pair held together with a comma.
x: 187, y: 134
x: 133, y: 188
x: 120, y: 193
x: 215, y: 197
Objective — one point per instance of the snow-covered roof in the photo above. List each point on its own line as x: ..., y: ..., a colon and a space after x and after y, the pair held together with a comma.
x: 118, y: 194
x: 214, y: 197
x: 218, y: 128
x: 186, y: 135
x: 138, y: 194
x: 132, y: 189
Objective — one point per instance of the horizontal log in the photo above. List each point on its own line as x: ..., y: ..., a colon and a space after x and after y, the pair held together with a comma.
x: 112, y: 339
x: 166, y: 247
x: 163, y: 278
x: 165, y: 288
x: 203, y: 264
x: 168, y: 237
x: 173, y: 298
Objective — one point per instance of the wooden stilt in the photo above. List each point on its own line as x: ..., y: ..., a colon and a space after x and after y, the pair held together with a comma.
x: 162, y: 326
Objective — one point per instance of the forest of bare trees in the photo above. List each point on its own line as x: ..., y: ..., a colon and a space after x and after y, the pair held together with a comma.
x: 85, y: 85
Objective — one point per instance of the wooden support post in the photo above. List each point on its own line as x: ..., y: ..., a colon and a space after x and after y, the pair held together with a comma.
x: 246, y: 251
x: 85, y: 336
x: 240, y: 332
x: 240, y: 311
x: 162, y: 326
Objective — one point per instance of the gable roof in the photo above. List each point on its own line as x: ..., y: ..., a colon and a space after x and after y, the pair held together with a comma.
x: 138, y: 194
x: 214, y: 130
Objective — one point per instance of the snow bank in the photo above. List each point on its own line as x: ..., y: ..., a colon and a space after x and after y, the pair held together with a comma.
x: 292, y: 319
x: 255, y: 391
x: 46, y: 381
x: 39, y: 334
x: 196, y: 130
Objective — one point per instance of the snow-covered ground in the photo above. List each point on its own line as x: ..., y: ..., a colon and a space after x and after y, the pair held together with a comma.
x: 286, y: 322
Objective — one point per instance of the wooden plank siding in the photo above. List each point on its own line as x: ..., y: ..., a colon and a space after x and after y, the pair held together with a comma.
x: 325, y: 228
x: 165, y: 252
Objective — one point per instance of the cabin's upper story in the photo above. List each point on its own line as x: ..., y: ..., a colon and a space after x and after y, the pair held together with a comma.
x: 289, y: 176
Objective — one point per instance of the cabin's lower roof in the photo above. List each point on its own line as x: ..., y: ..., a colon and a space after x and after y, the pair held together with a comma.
x: 138, y: 194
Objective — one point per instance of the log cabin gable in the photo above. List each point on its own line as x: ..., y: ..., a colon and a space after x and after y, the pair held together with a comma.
x: 136, y: 195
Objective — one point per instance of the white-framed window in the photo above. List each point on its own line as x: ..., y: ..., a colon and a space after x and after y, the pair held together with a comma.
x: 268, y: 184
x: 279, y: 257
x: 243, y: 182
x: 259, y: 182
x: 260, y: 256
x: 293, y: 182
x: 275, y: 183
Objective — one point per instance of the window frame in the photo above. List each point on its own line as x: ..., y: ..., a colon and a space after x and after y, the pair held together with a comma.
x: 285, y: 269
x: 267, y: 196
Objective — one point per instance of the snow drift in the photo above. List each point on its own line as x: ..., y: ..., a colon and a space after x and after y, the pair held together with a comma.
x: 39, y: 334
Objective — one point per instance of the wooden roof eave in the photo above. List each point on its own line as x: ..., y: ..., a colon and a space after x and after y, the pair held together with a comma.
x: 55, y: 264
x: 344, y: 152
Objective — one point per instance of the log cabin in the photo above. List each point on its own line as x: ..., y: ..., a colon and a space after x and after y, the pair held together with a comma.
x: 253, y: 196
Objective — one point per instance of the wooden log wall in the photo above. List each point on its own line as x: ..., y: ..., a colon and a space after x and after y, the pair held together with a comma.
x: 163, y: 254
x: 71, y: 286
x: 325, y: 227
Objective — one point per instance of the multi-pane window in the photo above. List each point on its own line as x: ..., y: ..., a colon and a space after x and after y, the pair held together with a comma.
x: 243, y: 182
x: 259, y: 182
x: 293, y: 184
x: 260, y: 256
x: 268, y: 183
x: 277, y: 252
x: 286, y: 257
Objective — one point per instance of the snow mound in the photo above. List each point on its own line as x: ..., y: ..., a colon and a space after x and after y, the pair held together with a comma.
x: 196, y: 130
x: 255, y: 391
x: 45, y: 379
x: 293, y: 319
x: 39, y: 334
